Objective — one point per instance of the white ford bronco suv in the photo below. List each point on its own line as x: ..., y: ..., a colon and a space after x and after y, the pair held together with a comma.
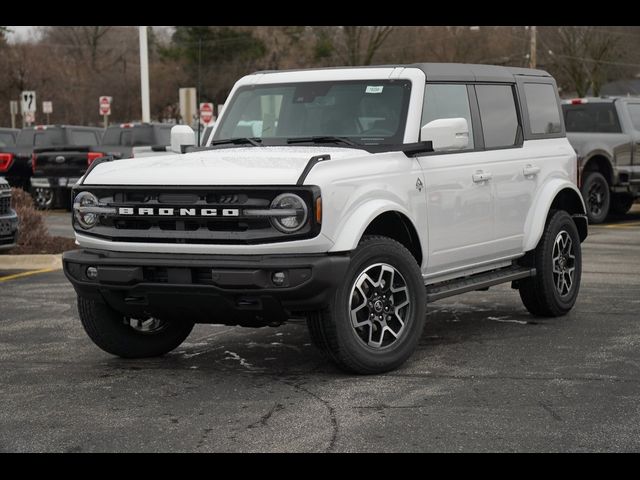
x: 350, y: 197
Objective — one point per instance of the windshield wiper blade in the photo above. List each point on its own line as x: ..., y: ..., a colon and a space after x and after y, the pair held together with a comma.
x: 256, y: 142
x: 324, y: 139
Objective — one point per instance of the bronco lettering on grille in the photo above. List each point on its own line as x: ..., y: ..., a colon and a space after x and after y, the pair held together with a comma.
x: 179, y: 212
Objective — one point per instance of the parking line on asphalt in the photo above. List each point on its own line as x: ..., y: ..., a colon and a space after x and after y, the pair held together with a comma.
x: 26, y: 274
x: 623, y: 225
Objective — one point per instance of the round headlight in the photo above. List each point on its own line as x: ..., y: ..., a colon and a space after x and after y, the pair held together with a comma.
x: 81, y: 209
x: 298, y: 209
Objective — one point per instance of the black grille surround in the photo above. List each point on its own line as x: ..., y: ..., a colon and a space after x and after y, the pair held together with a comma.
x: 241, y: 229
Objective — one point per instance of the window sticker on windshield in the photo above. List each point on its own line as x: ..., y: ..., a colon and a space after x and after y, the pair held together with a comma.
x: 372, y: 89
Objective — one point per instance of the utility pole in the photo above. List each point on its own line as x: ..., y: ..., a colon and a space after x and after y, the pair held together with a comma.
x: 199, y: 84
x: 533, y: 49
x: 144, y: 74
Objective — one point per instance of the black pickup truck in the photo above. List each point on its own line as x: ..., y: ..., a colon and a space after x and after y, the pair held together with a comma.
x: 605, y: 133
x: 57, y: 169
x: 18, y: 158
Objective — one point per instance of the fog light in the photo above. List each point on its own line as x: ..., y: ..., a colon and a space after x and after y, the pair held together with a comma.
x: 279, y: 278
x: 92, y: 273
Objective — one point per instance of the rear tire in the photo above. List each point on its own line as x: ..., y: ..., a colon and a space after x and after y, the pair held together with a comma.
x: 597, y: 196
x: 553, y: 291
x: 116, y: 334
x: 376, y: 316
x: 621, y: 203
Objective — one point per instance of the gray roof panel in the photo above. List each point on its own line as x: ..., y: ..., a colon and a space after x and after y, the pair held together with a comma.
x: 443, y: 72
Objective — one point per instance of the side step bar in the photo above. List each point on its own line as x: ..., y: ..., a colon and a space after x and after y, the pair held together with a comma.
x: 478, y: 281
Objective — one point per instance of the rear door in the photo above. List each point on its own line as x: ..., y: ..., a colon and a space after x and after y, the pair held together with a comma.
x: 634, y: 114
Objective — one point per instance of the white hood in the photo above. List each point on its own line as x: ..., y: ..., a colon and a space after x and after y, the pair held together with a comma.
x: 226, y: 166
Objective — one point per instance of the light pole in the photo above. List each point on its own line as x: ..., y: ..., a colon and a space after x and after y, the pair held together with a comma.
x: 144, y: 74
x: 532, y: 48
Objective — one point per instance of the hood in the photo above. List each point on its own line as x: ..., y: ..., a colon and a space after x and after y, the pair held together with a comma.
x: 228, y: 166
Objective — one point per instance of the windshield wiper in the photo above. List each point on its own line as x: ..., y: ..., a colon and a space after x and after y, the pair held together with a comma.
x: 324, y: 139
x: 256, y: 142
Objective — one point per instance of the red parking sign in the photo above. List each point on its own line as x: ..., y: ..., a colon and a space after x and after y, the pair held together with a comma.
x: 105, y: 105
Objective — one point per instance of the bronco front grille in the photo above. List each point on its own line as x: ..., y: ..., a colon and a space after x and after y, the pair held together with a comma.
x: 175, y: 214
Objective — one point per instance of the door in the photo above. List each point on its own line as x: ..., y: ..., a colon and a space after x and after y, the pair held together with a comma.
x: 460, y: 210
x: 514, y: 171
x: 634, y: 114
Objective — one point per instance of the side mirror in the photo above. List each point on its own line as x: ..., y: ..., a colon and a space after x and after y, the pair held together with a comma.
x: 446, y: 133
x: 182, y: 136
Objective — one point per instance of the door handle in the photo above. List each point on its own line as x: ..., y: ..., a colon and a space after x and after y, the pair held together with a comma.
x: 531, y: 171
x: 481, y: 177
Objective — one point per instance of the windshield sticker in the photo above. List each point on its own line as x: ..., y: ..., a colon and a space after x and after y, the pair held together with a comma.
x: 372, y: 89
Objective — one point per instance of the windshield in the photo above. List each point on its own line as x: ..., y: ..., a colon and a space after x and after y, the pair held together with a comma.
x: 369, y: 112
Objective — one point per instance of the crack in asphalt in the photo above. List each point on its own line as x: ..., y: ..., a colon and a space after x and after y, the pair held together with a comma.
x: 265, y: 418
x: 551, y: 412
x: 330, y: 410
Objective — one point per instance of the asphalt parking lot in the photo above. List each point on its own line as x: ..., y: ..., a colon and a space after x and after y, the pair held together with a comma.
x: 486, y: 377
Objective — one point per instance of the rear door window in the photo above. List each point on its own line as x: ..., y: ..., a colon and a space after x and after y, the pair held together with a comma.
x: 498, y: 115
x: 634, y: 112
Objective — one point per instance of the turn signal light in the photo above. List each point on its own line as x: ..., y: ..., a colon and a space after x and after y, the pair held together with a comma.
x: 6, y: 159
x: 319, y: 210
x: 92, y: 156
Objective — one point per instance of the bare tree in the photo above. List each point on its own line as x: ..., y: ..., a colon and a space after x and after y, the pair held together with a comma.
x: 360, y: 44
x: 583, y: 56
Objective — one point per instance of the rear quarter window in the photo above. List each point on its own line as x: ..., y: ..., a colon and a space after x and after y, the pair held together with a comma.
x: 542, y: 106
x: 634, y: 113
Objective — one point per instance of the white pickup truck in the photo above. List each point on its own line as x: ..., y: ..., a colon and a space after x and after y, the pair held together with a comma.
x: 351, y: 197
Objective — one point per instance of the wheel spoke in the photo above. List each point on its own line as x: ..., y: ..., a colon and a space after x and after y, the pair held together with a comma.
x: 373, y: 302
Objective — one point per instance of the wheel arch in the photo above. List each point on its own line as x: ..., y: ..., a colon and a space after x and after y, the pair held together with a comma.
x: 561, y: 195
x: 381, y: 218
x: 598, y: 161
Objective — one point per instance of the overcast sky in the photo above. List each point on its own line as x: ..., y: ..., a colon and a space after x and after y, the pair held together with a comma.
x: 20, y: 33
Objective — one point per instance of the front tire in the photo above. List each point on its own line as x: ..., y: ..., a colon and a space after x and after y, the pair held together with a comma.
x: 377, y: 314
x: 43, y: 198
x: 553, y: 291
x: 129, y: 338
x: 597, y: 196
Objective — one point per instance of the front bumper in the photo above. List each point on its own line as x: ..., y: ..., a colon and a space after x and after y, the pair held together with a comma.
x: 8, y: 230
x: 223, y: 289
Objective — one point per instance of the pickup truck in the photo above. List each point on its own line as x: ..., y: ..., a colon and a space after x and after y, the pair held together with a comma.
x: 17, y: 160
x: 349, y: 197
x: 605, y: 132
x: 56, y: 169
x: 8, y: 137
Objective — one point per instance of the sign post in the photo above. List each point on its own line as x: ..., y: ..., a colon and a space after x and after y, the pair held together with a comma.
x: 28, y: 104
x: 13, y: 107
x: 105, y: 109
x: 47, y: 108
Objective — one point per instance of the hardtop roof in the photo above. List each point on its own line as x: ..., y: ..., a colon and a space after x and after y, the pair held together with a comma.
x: 448, y: 71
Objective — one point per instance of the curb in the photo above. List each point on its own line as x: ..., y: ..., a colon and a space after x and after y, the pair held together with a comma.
x: 30, y: 262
